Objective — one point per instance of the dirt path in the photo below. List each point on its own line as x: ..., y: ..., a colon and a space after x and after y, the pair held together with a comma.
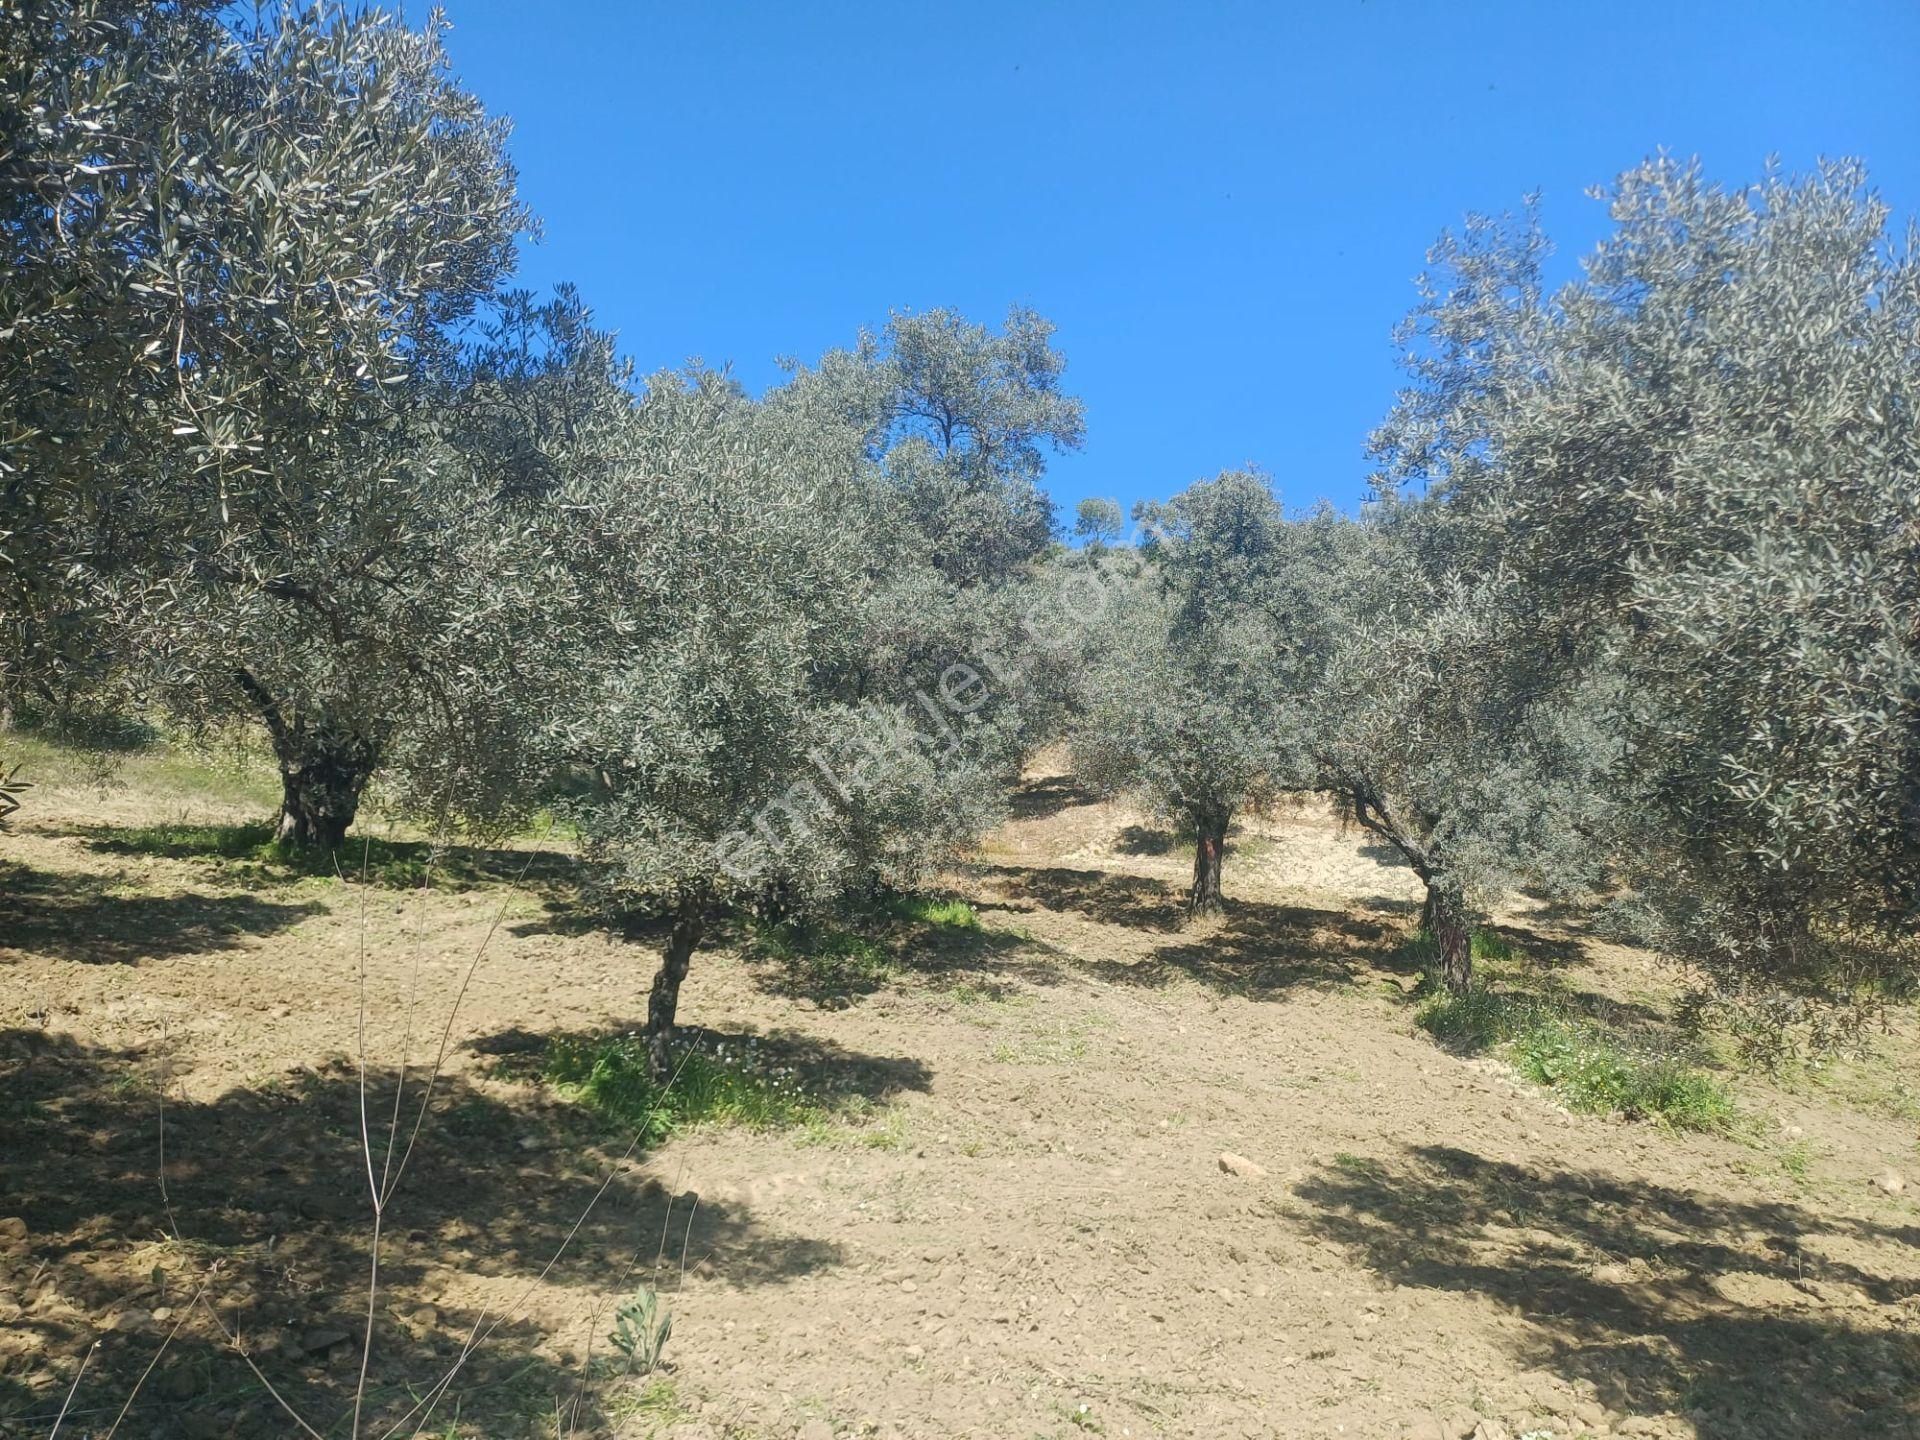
x: 1032, y: 1235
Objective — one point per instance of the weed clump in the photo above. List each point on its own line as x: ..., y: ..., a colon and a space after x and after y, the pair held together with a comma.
x: 1588, y: 1067
x: 729, y: 1085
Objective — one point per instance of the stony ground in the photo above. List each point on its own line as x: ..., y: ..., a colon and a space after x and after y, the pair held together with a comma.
x: 1105, y: 1175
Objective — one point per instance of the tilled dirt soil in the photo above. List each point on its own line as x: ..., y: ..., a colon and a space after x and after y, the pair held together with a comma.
x: 1028, y: 1230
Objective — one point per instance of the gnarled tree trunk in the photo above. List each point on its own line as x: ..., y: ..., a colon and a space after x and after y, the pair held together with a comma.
x: 324, y: 769
x: 1444, y: 916
x: 663, y: 1001
x: 322, y: 778
x: 1209, y: 849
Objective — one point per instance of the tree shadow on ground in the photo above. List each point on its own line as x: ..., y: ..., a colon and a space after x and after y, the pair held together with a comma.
x: 1385, y: 856
x: 1544, y: 951
x: 1259, y: 950
x: 248, y: 847
x: 268, y: 1190
x: 81, y: 916
x: 1136, y: 901
x: 1389, y: 904
x: 1148, y: 840
x: 945, y: 953
x: 819, y: 1066
x: 1755, y: 1318
x: 1049, y: 795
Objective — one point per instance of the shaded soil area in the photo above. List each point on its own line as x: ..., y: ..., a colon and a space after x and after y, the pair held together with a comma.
x: 1024, y: 1229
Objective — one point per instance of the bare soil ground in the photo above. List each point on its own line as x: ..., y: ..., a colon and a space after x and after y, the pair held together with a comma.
x: 1030, y: 1234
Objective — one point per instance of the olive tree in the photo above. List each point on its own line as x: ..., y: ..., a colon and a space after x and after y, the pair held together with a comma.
x: 1433, y: 731
x: 1701, y: 462
x: 1099, y: 522
x: 958, y: 420
x: 716, y: 608
x: 1194, y: 678
x: 236, y: 254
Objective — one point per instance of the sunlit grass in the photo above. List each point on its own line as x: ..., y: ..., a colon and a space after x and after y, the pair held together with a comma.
x: 730, y: 1085
x: 232, y: 775
x: 949, y: 913
x: 1587, y: 1067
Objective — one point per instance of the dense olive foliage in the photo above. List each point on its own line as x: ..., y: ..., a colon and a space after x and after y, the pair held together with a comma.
x: 1699, y: 463
x: 770, y: 713
x: 1638, y: 615
x: 1435, y: 734
x: 1193, y: 672
x: 233, y: 253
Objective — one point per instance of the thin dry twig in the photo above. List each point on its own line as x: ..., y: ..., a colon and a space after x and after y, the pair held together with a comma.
x: 85, y: 1361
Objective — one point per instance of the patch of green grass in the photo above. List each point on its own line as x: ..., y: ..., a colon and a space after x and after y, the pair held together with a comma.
x: 1587, y: 1067
x: 950, y: 913
x: 826, y: 958
x: 230, y: 774
x: 727, y: 1086
x: 179, y: 840
x: 654, y: 1403
x: 1044, y: 1043
x: 890, y: 1134
x: 251, y: 846
x: 1796, y: 1158
x: 1419, y: 950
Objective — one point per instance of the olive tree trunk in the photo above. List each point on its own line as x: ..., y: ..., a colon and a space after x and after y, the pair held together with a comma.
x: 1448, y: 922
x: 321, y: 781
x: 1444, y: 916
x: 1209, y: 849
x: 324, y: 770
x: 663, y: 1001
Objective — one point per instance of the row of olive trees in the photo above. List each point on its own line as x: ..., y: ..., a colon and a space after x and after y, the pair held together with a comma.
x: 278, y: 448
x: 1638, y: 613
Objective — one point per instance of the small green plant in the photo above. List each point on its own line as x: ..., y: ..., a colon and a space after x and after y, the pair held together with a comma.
x: 1586, y: 1066
x: 12, y: 787
x: 641, y: 1328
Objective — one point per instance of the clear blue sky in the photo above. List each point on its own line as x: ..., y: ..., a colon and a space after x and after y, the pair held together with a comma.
x: 1220, y: 205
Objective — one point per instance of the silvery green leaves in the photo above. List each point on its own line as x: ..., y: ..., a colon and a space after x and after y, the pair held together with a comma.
x: 1189, y: 696
x: 1701, y: 463
x: 234, y: 249
x: 1437, y: 732
x: 740, y: 686
x: 959, y: 419
x: 782, y: 683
